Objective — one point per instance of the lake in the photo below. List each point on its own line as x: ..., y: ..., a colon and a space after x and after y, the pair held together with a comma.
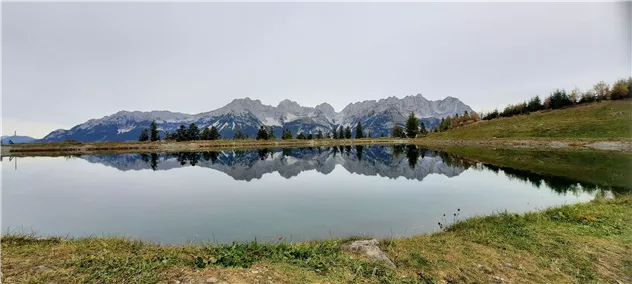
x: 300, y: 194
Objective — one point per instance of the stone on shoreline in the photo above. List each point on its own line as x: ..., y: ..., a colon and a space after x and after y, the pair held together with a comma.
x: 370, y: 249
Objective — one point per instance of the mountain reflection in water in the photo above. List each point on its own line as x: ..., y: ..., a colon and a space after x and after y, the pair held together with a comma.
x: 407, y: 161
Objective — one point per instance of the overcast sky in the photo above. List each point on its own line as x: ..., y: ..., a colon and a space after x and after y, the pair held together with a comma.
x: 64, y: 63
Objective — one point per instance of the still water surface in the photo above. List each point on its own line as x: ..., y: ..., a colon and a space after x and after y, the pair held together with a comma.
x: 301, y: 194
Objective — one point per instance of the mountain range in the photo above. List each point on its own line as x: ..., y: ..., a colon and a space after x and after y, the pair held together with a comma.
x: 247, y: 115
x: 17, y: 139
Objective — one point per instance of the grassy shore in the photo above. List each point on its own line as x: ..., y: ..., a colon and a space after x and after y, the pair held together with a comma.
x: 588, y: 242
x: 65, y: 149
x: 607, y: 119
x: 69, y: 148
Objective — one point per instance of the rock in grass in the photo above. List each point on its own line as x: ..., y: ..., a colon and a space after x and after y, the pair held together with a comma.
x: 370, y: 249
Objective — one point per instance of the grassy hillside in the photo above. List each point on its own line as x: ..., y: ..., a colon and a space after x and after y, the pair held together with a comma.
x: 583, y: 243
x: 607, y: 119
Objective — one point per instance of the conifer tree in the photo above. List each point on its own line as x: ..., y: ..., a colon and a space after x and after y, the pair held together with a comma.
x: 154, y: 161
x: 155, y: 136
x: 397, y: 132
x: 534, y: 104
x: 412, y: 126
x: 262, y: 134
x: 359, y: 150
x: 193, y: 133
x: 181, y: 133
x: 286, y: 134
x: 263, y: 153
x: 359, y: 132
x: 240, y: 135
x: 347, y: 132
x: 269, y: 132
x: 559, y: 98
x: 214, y: 134
x: 423, y: 130
x: 206, y: 134
x: 445, y: 123
x: 210, y: 156
x: 144, y: 135
x: 319, y: 135
x: 412, y: 153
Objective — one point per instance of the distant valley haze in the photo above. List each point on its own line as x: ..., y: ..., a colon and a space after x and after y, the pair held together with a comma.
x: 107, y: 69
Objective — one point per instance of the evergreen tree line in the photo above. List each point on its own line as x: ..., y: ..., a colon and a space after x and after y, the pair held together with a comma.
x: 338, y: 133
x: 181, y: 134
x: 621, y: 89
x: 412, y: 128
x: 265, y: 133
x: 192, y: 133
x: 146, y: 136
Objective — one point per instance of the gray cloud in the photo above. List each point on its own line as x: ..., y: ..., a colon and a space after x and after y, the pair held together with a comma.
x: 64, y: 63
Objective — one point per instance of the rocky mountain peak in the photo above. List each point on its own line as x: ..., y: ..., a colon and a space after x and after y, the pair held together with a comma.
x: 247, y: 101
x: 289, y: 105
x: 326, y: 108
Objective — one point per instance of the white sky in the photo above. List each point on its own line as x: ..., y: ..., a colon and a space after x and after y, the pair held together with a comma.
x: 65, y: 63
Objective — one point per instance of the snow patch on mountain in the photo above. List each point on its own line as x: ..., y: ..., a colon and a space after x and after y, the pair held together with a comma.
x: 125, y: 129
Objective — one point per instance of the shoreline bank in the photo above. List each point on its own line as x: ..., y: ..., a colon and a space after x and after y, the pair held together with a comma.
x: 571, y: 243
x: 67, y: 148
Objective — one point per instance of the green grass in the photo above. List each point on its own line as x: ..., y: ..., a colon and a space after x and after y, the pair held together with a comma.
x: 578, y: 243
x: 608, y: 119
